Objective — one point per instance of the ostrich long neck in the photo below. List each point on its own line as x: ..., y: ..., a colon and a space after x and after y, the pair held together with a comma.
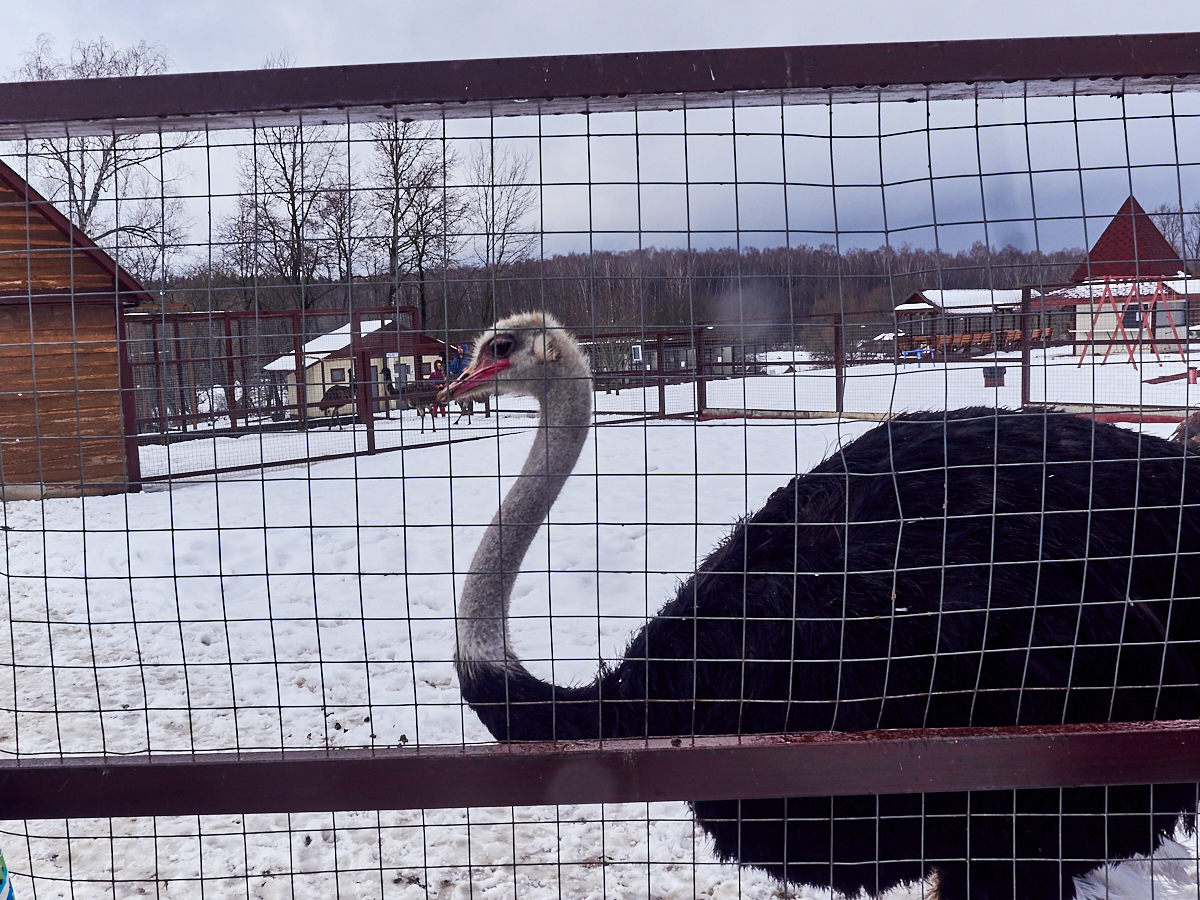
x: 566, y: 416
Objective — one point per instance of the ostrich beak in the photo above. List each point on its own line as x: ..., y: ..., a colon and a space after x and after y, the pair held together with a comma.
x: 479, y: 377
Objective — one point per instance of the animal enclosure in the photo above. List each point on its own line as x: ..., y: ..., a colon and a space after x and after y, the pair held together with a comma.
x: 965, y: 661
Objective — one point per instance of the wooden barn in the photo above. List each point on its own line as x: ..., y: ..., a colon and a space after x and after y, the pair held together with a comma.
x: 66, y: 410
x: 969, y: 322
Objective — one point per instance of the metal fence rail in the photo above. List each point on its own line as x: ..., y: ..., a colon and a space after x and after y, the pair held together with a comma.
x: 617, y: 771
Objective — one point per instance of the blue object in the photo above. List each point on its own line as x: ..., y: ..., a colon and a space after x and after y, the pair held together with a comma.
x: 6, y: 888
x: 917, y: 353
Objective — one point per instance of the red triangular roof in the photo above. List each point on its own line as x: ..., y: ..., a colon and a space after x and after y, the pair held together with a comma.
x: 1130, y: 247
x: 37, y: 243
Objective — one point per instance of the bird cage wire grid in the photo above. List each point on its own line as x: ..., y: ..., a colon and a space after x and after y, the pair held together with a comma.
x: 733, y: 274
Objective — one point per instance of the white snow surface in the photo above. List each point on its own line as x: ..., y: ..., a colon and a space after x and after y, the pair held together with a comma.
x: 1057, y: 377
x: 879, y: 387
x: 313, y: 607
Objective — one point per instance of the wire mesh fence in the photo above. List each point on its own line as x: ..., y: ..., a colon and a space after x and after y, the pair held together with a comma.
x: 752, y: 271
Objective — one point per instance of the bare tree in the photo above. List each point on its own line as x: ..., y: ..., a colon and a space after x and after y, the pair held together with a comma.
x: 433, y: 226
x: 396, y: 150
x: 116, y: 188
x: 500, y: 203
x: 344, y: 234
x: 1181, y: 228
x: 237, y: 257
x: 286, y: 178
x: 418, y: 215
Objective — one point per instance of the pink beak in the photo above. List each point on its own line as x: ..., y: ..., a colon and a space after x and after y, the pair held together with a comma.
x: 481, y: 373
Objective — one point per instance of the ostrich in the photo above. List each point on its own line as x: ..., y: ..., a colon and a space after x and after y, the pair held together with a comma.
x: 465, y: 408
x: 967, y: 568
x: 333, y: 400
x: 419, y: 395
x: 1188, y: 432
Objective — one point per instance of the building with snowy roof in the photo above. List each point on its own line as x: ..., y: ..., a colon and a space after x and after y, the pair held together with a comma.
x: 384, y: 350
x: 967, y: 321
x: 1132, y: 290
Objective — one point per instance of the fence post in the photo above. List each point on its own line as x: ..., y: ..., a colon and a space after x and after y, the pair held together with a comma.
x: 363, y: 400
x: 701, y: 391
x: 181, y: 387
x: 662, y: 376
x: 247, y: 405
x: 839, y: 362
x: 1026, y: 374
x: 160, y: 389
x: 128, y: 395
x: 160, y: 377
x: 190, y: 392
x: 301, y: 381
x: 230, y: 389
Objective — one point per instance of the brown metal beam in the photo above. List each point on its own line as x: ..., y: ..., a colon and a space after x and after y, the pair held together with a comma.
x: 709, y: 768
x: 602, y: 82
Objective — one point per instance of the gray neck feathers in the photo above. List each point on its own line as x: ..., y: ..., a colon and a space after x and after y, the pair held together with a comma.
x: 566, y: 417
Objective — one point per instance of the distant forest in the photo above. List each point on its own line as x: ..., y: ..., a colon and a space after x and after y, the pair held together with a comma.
x: 651, y: 287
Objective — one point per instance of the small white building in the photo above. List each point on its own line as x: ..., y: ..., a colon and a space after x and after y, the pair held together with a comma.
x: 392, y: 354
x: 1111, y: 313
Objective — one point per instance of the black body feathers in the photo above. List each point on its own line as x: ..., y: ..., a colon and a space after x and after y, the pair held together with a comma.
x: 971, y: 568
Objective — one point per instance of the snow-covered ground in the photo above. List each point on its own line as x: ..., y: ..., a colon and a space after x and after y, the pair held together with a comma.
x: 884, y: 387
x: 313, y: 607
x: 403, y: 428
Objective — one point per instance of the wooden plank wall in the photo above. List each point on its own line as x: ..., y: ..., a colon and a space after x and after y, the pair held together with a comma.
x: 68, y: 433
x: 36, y: 256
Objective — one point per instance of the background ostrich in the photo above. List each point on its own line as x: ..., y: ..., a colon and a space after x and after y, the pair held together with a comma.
x: 422, y: 397
x: 946, y: 569
x: 333, y: 400
x: 1188, y: 432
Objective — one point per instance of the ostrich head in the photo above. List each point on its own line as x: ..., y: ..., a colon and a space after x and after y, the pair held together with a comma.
x: 529, y: 354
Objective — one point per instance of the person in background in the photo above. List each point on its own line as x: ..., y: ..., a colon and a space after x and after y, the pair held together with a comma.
x: 458, y: 365
x: 438, y: 375
x: 458, y: 362
x: 390, y: 391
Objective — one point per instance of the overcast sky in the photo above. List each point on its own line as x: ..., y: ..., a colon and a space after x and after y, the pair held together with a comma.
x: 207, y: 35
x: 204, y: 35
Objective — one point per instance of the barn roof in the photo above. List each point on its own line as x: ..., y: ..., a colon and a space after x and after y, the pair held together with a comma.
x: 961, y: 302
x: 42, y: 253
x: 1091, y: 291
x: 1130, y: 247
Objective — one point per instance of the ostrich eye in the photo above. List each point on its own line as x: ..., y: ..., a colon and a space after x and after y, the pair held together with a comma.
x: 502, y: 346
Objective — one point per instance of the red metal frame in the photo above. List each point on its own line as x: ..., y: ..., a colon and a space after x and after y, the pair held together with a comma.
x: 702, y: 768
x: 598, y: 83
x: 624, y: 771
